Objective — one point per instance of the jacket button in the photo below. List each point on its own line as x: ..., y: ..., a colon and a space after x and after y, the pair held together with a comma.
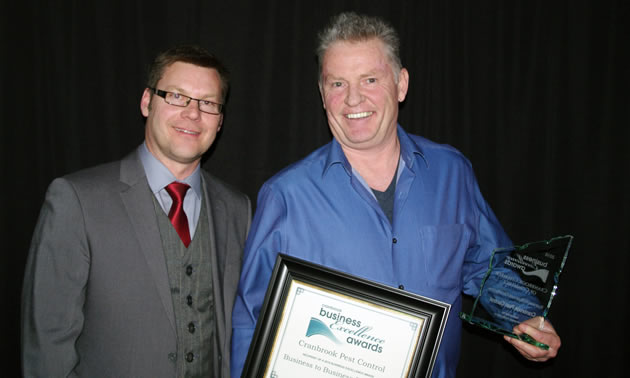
x: 394, y: 240
x: 191, y: 327
x: 401, y: 287
x: 189, y: 270
x: 190, y: 357
x: 189, y: 300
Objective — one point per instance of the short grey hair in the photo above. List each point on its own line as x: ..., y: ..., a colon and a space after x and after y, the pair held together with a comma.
x: 353, y: 27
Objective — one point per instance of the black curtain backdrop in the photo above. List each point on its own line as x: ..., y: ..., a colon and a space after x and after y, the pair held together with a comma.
x: 534, y: 92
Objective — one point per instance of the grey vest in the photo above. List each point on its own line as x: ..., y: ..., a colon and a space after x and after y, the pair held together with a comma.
x: 190, y: 279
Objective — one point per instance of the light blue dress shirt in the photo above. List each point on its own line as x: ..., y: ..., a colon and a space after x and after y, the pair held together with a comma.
x: 439, y: 244
x: 159, y: 177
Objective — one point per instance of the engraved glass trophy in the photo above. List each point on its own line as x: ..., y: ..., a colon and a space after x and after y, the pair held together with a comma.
x: 520, y: 284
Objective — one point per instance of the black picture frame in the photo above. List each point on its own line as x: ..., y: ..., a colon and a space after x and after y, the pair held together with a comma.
x: 287, y: 270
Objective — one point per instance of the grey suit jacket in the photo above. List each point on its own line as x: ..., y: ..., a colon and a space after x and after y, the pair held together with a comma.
x: 96, y: 298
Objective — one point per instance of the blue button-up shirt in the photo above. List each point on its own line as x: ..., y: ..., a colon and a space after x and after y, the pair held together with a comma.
x: 439, y: 244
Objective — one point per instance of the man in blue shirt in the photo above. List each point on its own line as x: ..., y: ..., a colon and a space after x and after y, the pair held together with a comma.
x: 375, y: 202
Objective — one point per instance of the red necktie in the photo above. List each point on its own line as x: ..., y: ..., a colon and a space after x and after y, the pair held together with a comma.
x: 177, y: 191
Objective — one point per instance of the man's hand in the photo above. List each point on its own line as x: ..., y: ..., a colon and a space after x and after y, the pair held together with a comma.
x: 542, y: 331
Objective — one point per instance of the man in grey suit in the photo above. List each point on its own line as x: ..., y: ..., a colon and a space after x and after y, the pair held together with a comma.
x: 134, y: 264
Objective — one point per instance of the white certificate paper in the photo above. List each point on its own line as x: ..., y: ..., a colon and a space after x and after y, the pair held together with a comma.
x: 327, y: 334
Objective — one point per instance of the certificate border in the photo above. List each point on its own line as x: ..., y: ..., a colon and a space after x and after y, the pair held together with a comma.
x: 418, y: 321
x: 287, y: 269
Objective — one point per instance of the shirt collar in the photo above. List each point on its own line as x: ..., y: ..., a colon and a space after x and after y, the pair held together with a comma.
x: 336, y: 156
x: 159, y: 176
x: 408, y: 150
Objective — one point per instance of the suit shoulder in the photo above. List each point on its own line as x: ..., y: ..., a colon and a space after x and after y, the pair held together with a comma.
x: 97, y: 175
x: 99, y: 182
x: 90, y: 188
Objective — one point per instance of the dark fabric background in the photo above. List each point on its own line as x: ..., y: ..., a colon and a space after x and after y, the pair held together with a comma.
x: 534, y: 92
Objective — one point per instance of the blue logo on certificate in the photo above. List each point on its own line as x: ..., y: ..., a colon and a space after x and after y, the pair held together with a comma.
x: 317, y: 327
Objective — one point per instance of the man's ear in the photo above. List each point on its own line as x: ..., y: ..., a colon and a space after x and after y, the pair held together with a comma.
x: 321, y: 94
x: 145, y: 102
x: 403, y: 84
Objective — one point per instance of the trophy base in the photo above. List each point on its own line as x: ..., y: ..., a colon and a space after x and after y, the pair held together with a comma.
x: 491, y: 327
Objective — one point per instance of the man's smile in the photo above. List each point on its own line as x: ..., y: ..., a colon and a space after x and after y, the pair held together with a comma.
x: 359, y: 115
x: 186, y: 131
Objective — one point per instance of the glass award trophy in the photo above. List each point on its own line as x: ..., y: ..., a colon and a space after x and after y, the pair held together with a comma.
x: 520, y: 284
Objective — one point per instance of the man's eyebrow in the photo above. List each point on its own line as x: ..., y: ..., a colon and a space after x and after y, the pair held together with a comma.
x: 374, y: 72
x: 179, y: 90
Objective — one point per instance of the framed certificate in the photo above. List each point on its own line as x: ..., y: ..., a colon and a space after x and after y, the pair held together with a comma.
x: 318, y: 322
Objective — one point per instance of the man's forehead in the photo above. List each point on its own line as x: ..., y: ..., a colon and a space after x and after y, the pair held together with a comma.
x: 184, y: 77
x: 355, y: 62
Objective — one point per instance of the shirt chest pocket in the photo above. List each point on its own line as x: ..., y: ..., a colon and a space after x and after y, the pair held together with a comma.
x: 443, y: 249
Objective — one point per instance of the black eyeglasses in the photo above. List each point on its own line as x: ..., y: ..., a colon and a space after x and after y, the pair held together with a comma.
x: 178, y: 99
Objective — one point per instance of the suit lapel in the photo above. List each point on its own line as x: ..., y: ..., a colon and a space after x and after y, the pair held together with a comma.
x: 141, y: 211
x: 217, y: 231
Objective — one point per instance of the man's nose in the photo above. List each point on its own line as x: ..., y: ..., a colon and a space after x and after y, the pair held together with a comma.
x: 192, y: 110
x: 354, y: 96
